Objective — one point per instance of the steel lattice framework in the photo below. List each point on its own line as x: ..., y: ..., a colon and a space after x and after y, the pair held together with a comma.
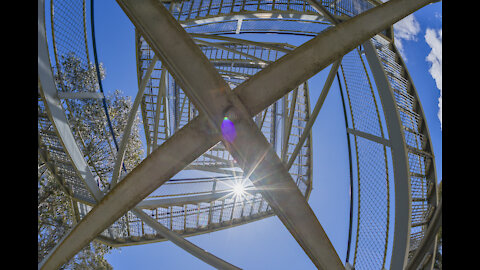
x: 269, y: 103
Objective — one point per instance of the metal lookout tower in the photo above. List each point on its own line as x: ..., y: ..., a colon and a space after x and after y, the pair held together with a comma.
x: 213, y: 101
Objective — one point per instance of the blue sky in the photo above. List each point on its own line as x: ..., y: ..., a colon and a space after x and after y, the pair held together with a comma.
x: 267, y: 244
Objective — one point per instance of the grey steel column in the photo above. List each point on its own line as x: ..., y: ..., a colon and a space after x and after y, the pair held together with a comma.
x: 403, y: 208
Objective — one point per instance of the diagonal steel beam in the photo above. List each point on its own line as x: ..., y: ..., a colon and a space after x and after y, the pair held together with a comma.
x: 316, y: 110
x: 128, y: 127
x: 196, y: 138
x: 212, y: 96
x: 184, y: 244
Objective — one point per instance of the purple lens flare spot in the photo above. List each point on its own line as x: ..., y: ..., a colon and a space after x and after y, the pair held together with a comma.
x: 228, y: 130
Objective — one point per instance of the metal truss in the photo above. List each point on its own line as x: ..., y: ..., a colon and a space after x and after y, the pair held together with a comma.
x: 184, y: 132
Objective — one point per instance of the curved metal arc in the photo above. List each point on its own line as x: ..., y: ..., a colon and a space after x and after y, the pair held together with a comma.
x: 99, y: 78
x: 347, y: 257
x: 266, y: 14
x: 427, y: 149
x: 400, y: 160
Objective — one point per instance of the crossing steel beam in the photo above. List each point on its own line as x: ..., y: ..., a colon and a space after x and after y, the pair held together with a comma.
x: 213, y: 97
x: 248, y: 99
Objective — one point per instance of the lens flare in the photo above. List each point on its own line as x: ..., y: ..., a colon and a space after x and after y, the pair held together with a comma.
x: 228, y: 130
x: 238, y: 189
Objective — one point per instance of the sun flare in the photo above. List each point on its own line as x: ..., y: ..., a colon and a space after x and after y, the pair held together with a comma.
x: 238, y: 189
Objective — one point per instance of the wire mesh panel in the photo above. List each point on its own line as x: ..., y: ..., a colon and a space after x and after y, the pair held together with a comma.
x: 74, y: 73
x: 372, y: 169
x: 69, y: 30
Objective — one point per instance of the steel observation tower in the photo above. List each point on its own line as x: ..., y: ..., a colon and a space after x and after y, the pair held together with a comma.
x: 214, y: 101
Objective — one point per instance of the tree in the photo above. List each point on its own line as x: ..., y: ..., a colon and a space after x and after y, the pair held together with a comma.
x: 88, y: 121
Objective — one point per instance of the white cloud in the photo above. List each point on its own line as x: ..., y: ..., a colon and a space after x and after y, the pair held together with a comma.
x: 434, y: 40
x: 406, y: 29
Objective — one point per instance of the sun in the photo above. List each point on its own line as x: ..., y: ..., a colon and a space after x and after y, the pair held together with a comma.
x: 238, y: 189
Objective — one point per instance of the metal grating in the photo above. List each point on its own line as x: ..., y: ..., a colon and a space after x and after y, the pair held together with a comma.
x: 373, y: 196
